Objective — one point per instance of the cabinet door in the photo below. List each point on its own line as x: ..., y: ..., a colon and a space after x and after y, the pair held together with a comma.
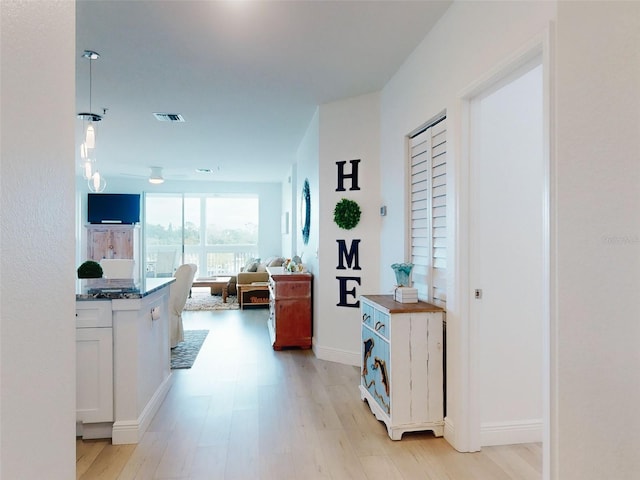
x: 94, y: 375
x: 98, y: 242
x: 375, y: 368
x: 109, y: 242
x: 121, y: 243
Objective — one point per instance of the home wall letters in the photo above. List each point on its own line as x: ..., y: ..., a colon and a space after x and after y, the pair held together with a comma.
x: 349, y: 256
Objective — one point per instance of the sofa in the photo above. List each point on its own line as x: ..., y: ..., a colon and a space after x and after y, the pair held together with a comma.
x: 254, y: 270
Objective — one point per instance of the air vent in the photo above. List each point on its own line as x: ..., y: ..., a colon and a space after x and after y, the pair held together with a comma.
x: 168, y: 117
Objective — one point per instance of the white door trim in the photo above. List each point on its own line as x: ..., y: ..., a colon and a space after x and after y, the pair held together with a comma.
x: 466, y: 401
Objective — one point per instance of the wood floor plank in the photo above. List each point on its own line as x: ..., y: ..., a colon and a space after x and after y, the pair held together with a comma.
x: 242, y: 451
x: 244, y: 411
x: 209, y: 462
x: 178, y: 456
x: 86, y: 453
x: 144, y: 461
x: 109, y: 463
x: 513, y: 464
x: 341, y: 460
x: 380, y: 467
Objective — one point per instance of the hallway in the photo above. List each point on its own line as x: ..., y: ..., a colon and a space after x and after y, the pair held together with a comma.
x: 245, y: 411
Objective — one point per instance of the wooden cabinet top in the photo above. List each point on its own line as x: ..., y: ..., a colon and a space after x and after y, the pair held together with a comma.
x: 388, y: 303
x: 279, y: 275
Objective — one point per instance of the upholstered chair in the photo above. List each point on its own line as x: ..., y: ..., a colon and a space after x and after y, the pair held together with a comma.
x: 117, y: 267
x: 178, y: 294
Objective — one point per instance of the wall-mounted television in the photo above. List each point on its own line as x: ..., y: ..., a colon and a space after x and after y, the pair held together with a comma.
x: 113, y: 208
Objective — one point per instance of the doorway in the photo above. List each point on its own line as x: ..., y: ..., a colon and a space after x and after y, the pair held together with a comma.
x: 505, y: 244
x: 507, y: 255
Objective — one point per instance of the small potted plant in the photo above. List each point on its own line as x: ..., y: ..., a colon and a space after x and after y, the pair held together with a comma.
x: 90, y: 269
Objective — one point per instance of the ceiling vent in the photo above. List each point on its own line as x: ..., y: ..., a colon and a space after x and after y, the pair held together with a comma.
x: 168, y: 117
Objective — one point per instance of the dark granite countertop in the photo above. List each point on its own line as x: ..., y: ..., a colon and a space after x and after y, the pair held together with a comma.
x: 110, y: 289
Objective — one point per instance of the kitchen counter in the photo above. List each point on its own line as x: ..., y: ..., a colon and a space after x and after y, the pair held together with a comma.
x: 116, y: 288
x: 123, y: 356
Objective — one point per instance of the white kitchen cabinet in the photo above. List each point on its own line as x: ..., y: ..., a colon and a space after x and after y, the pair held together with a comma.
x: 402, y: 377
x: 94, y: 362
x: 123, y: 356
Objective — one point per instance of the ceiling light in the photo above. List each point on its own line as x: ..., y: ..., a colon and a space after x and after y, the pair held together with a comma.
x: 156, y: 176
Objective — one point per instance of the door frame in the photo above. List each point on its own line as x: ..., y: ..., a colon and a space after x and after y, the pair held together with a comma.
x: 467, y: 405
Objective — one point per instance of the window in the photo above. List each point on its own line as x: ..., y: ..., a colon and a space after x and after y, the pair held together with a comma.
x: 219, y: 233
x: 427, y: 216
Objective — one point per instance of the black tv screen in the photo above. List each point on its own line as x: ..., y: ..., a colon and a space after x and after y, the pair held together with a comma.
x: 113, y: 208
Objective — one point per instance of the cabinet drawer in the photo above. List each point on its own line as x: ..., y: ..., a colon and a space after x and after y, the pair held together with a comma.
x: 93, y: 313
x: 292, y: 289
x: 381, y: 323
x: 367, y: 314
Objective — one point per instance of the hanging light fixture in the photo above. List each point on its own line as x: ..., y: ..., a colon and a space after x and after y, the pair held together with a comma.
x: 88, y: 147
x: 97, y: 183
x: 156, y: 176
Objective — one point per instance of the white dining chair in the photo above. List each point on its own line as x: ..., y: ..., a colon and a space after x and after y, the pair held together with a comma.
x: 178, y: 294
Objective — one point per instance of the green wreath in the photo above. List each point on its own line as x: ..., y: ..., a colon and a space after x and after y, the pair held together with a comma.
x: 346, y: 214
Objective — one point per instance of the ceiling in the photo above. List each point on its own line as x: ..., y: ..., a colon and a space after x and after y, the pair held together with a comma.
x: 246, y: 76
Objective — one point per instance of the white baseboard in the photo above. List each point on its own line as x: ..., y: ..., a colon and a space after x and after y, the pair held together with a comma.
x: 131, y: 431
x: 90, y: 431
x: 509, y: 433
x: 334, y: 355
x: 449, y: 431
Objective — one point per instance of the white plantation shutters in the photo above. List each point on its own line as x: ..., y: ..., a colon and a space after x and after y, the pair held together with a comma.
x: 428, y: 252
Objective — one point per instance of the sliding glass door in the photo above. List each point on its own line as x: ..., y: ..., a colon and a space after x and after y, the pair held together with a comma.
x: 217, y: 232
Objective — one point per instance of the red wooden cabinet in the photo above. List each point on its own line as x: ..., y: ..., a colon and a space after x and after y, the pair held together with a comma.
x: 290, y: 309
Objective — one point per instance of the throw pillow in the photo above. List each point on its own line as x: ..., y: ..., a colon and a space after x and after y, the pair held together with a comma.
x: 252, y: 265
x: 276, y: 262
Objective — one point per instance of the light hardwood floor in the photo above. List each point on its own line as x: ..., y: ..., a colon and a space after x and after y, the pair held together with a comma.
x: 246, y: 412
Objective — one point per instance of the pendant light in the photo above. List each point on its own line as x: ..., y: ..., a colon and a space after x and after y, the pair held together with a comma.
x: 88, y: 147
x: 97, y: 183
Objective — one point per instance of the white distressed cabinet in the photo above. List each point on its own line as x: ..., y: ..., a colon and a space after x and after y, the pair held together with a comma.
x: 111, y: 241
x: 402, y: 355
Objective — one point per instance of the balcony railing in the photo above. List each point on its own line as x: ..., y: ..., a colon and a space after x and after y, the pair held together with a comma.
x: 211, y: 260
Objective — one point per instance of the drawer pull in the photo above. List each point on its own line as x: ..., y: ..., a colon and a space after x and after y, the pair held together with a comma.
x: 379, y: 326
x: 365, y: 317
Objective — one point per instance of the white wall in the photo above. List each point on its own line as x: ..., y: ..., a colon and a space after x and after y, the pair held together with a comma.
x: 307, y: 168
x: 469, y: 40
x: 348, y: 129
x: 289, y: 213
x: 37, y: 288
x: 598, y: 242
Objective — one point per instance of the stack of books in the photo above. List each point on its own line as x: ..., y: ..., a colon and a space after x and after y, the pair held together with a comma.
x: 406, y: 295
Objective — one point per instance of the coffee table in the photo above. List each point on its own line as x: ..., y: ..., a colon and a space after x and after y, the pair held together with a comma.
x: 213, y: 282
x: 251, y: 287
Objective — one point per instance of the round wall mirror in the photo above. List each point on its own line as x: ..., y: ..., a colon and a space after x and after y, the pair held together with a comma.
x: 305, y: 208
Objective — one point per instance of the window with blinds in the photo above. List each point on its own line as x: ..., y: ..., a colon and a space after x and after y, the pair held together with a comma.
x: 428, y: 192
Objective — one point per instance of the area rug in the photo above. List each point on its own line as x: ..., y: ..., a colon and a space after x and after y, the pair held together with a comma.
x: 211, y: 302
x: 184, y: 354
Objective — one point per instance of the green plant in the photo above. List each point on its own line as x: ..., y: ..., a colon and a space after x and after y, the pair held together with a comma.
x: 90, y: 269
x: 346, y: 214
